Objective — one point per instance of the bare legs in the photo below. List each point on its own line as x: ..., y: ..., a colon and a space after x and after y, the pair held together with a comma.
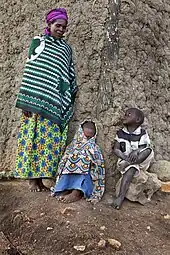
x: 127, y: 178
x: 125, y: 182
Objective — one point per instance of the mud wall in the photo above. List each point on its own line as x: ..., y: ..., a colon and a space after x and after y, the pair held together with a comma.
x: 122, y: 56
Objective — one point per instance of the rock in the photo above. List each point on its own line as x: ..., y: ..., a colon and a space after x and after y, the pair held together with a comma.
x: 142, y: 187
x: 165, y: 187
x: 102, y: 243
x: 162, y: 169
x: 114, y: 243
x: 42, y: 214
x: 167, y: 217
x: 101, y: 234
x: 49, y: 228
x: 102, y: 228
x: 148, y: 228
x: 49, y: 183
x: 67, y: 210
x: 80, y: 248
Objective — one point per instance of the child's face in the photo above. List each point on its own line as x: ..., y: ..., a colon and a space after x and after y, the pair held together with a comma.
x: 88, y: 132
x: 130, y: 117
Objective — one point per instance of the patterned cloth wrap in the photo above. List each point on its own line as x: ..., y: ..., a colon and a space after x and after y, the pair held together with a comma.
x: 48, y: 85
x: 82, y: 156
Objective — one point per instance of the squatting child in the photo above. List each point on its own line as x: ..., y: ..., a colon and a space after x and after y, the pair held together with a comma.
x: 132, y: 147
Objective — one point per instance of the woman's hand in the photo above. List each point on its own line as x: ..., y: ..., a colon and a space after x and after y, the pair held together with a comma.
x: 27, y: 114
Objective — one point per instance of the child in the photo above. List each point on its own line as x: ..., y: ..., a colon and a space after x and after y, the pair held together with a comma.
x: 132, y: 147
x: 81, y: 170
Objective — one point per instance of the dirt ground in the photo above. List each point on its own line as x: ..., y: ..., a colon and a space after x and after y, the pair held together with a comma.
x: 37, y: 224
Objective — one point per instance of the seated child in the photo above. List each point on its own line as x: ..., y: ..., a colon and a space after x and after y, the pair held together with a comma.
x: 132, y: 147
x: 81, y: 169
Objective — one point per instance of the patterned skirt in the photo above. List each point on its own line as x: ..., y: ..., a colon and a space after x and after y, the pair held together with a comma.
x: 40, y: 147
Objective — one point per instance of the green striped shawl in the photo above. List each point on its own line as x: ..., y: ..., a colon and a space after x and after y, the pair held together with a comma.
x: 48, y: 86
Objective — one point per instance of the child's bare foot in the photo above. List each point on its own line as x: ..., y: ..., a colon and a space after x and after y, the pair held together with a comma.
x: 63, y: 194
x: 34, y: 187
x: 117, y: 203
x: 74, y: 196
x: 42, y: 187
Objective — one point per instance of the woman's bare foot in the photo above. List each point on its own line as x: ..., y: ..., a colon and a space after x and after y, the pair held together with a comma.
x: 74, y: 196
x: 34, y: 187
x: 42, y: 187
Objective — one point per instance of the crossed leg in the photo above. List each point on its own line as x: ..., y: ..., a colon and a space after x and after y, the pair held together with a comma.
x: 127, y: 178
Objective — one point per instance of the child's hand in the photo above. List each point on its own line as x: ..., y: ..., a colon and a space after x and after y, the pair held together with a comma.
x: 133, y: 156
x: 125, y: 157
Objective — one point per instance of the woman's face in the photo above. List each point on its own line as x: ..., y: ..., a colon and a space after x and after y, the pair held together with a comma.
x: 58, y: 28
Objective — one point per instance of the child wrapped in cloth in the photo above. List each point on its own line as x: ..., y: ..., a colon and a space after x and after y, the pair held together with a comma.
x: 81, y: 169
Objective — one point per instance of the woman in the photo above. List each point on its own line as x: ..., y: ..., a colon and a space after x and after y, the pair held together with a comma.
x: 46, y: 97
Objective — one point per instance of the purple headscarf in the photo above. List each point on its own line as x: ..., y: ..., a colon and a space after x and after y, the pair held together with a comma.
x: 59, y: 13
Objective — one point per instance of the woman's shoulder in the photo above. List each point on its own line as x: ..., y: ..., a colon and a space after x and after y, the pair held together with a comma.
x: 66, y: 44
x: 38, y: 37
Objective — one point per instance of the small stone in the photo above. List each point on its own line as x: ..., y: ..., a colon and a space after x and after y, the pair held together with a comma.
x: 42, y: 214
x: 102, y: 228
x: 67, y: 210
x: 80, y: 248
x: 102, y: 243
x: 101, y: 234
x: 148, y: 228
x: 114, y: 243
x: 49, y: 228
x: 167, y: 217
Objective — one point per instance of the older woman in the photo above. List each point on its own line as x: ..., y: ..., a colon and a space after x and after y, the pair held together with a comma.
x: 46, y: 98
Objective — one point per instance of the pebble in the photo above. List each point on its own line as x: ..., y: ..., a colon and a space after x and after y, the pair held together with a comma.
x: 42, y: 214
x: 167, y: 217
x: 102, y: 243
x: 49, y: 228
x: 114, y: 243
x: 102, y: 228
x: 80, y: 248
x: 101, y: 234
x: 67, y: 210
x: 148, y: 228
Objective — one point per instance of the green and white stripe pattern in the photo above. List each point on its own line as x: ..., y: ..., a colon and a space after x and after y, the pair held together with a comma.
x: 48, y: 86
